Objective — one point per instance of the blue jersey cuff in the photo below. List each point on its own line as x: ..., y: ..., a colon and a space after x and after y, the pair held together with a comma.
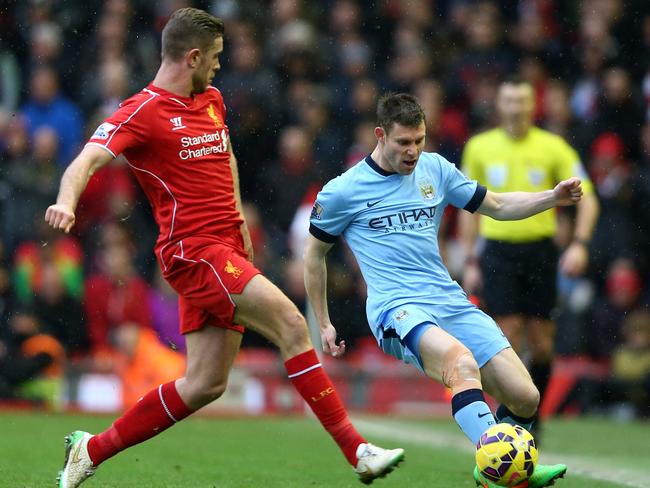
x: 321, y: 235
x: 476, y: 200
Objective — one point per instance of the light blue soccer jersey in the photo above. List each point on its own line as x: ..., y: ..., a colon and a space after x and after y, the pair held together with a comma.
x: 391, y: 224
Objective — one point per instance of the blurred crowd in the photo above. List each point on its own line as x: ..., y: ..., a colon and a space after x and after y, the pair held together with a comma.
x: 300, y: 81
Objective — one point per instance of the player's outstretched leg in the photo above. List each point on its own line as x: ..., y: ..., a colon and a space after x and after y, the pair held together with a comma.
x: 313, y: 384
x: 543, y: 476
x: 265, y: 308
x: 506, y: 379
x: 210, y: 353
x: 446, y: 360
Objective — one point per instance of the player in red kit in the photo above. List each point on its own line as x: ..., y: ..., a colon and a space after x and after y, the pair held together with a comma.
x: 174, y: 136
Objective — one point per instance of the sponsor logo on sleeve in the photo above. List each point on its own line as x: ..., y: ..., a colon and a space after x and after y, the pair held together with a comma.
x: 103, y: 131
x: 317, y: 211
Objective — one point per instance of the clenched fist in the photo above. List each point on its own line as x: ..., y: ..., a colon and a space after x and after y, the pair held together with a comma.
x: 568, y: 192
x: 60, y: 217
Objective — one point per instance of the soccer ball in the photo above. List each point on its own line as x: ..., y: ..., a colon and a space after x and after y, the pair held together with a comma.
x: 506, y: 454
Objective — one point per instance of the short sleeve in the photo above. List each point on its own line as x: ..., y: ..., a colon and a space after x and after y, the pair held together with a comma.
x: 221, y: 105
x: 128, y: 127
x: 460, y: 191
x: 330, y: 214
x: 568, y: 165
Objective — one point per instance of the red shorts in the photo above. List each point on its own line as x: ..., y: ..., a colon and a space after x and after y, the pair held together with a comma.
x: 205, y: 274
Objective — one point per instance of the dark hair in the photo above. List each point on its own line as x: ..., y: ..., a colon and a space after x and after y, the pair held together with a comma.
x: 189, y: 28
x: 399, y: 108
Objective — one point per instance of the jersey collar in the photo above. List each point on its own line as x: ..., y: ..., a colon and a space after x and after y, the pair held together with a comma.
x: 377, y: 168
x: 168, y: 94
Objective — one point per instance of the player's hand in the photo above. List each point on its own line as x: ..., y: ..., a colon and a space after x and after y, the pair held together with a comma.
x: 472, y: 277
x: 328, y: 338
x: 60, y: 217
x: 568, y: 192
x: 574, y: 260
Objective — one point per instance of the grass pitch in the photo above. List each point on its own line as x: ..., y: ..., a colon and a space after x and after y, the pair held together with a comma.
x: 294, y: 452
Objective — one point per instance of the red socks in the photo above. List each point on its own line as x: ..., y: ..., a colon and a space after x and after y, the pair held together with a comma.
x: 313, y: 384
x: 163, y: 407
x: 155, y: 412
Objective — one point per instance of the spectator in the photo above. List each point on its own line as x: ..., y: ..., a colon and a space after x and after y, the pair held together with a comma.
x: 9, y: 79
x: 115, y: 294
x: 34, y: 183
x: 31, y: 257
x: 145, y: 362
x: 31, y: 363
x: 626, y: 391
x: 60, y: 313
x: 484, y: 59
x: 295, y: 169
x: 623, y: 294
x: 48, y: 107
x: 619, y: 110
x: 559, y: 118
x: 611, y: 174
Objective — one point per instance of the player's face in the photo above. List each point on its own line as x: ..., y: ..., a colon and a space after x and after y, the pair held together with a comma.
x: 402, y: 146
x: 207, y: 67
x: 516, y: 105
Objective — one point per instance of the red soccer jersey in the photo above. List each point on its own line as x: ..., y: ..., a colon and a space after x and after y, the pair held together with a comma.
x: 177, y: 148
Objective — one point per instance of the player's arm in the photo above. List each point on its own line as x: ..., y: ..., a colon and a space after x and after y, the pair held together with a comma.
x: 73, y: 183
x: 316, y: 287
x: 575, y: 258
x: 248, y: 244
x: 521, y: 205
x: 469, y: 221
x: 469, y: 228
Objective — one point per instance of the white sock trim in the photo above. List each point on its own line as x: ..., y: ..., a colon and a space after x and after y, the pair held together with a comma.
x: 162, y: 400
x: 306, y: 370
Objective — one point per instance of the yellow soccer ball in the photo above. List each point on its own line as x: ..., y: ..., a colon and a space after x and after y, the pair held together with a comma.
x: 506, y: 454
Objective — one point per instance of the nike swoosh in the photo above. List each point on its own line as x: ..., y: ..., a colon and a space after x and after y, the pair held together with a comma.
x: 75, y: 454
x: 372, y: 204
x: 481, y: 415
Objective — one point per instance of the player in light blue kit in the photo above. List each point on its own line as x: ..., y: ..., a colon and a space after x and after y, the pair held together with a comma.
x: 388, y: 208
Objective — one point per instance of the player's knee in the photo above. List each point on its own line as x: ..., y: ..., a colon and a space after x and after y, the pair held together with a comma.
x: 213, y: 391
x: 202, y: 391
x: 467, y: 365
x: 527, y: 401
x: 293, y: 327
x: 460, y: 368
x: 530, y: 402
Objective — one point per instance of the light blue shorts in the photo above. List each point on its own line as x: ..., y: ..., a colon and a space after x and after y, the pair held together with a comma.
x: 471, y: 326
